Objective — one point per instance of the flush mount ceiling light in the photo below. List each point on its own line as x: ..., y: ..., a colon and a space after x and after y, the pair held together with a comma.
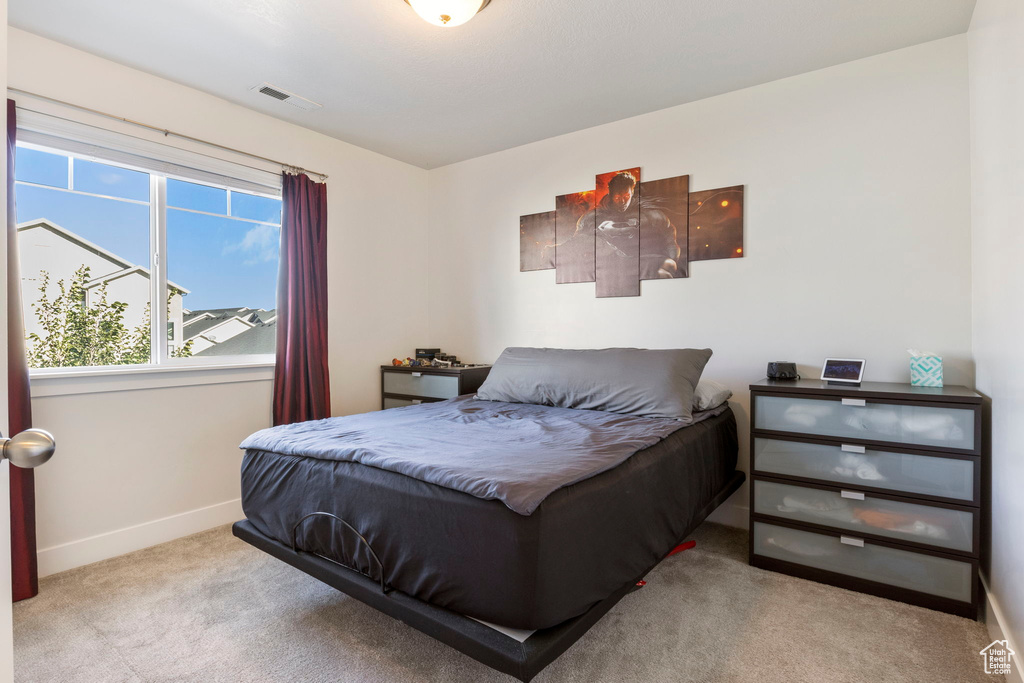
x: 447, y: 13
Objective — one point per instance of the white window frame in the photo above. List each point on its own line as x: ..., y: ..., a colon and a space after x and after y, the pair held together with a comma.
x: 162, y: 370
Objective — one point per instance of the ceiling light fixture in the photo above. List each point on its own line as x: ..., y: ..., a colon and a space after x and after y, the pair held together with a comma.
x: 447, y: 13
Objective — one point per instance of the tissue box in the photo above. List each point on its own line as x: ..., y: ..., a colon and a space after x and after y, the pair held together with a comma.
x: 926, y: 371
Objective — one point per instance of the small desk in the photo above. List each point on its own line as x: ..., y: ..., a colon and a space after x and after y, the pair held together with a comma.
x: 402, y: 386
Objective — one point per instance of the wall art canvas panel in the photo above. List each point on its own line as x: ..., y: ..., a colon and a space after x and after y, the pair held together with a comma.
x: 574, y: 237
x: 664, y: 214
x: 617, y: 233
x: 537, y: 241
x: 716, y: 224
x: 624, y: 231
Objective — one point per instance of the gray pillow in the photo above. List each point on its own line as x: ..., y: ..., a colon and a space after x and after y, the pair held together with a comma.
x: 649, y: 383
x: 710, y: 394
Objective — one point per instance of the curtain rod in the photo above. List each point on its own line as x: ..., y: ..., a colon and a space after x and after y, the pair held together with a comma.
x: 168, y: 133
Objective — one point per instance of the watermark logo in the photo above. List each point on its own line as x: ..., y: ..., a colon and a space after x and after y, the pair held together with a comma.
x: 998, y: 658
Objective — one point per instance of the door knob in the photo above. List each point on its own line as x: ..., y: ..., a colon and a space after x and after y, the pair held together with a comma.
x: 30, y: 448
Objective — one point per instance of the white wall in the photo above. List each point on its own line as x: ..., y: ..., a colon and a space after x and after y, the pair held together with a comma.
x: 167, y: 458
x: 857, y: 229
x: 996, y: 59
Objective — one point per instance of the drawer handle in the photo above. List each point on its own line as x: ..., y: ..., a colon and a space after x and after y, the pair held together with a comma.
x: 416, y: 374
x: 852, y: 495
x: 850, y: 540
x: 854, y: 402
x: 417, y: 401
x: 850, y: 448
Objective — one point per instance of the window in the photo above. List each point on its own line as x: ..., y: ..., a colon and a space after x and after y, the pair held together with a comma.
x: 127, y: 266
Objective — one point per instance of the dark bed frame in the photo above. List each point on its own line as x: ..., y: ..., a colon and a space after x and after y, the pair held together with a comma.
x: 524, y: 660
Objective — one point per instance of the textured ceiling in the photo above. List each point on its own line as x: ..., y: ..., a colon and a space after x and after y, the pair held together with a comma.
x: 523, y: 70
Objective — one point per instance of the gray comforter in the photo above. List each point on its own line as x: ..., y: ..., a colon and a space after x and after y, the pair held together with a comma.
x: 516, y: 453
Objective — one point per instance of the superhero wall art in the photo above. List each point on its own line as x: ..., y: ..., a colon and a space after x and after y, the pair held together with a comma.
x: 624, y: 231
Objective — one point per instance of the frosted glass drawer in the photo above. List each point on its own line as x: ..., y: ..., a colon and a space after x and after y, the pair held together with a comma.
x: 940, y: 576
x: 415, y: 384
x: 861, y: 513
x: 400, y: 402
x: 938, y: 425
x: 904, y: 472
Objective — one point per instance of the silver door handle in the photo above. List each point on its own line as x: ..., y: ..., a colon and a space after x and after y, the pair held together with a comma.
x: 850, y: 540
x: 30, y: 448
x: 854, y: 402
x: 849, y: 448
x: 852, y: 495
x: 416, y: 374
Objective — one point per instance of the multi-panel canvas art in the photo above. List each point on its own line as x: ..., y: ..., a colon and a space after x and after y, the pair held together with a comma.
x: 626, y: 230
x: 617, y: 233
x: 537, y: 241
x: 574, y: 238
x: 716, y: 224
x: 664, y: 214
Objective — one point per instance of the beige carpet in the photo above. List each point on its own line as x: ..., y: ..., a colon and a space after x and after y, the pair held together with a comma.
x: 211, y: 608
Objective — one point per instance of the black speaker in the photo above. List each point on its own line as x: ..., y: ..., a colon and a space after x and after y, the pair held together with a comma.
x: 782, y: 370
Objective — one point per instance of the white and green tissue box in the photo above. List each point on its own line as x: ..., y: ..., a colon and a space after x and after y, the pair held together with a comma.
x: 926, y: 370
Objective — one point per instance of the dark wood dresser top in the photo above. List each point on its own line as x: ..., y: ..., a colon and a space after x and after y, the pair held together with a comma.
x: 950, y: 394
x: 432, y: 370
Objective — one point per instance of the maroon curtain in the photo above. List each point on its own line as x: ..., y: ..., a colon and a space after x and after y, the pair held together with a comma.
x: 24, y: 578
x: 301, y: 384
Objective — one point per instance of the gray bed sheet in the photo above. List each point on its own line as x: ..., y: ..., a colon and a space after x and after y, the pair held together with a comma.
x: 452, y: 444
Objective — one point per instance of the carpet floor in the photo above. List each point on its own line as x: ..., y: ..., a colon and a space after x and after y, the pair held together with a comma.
x: 211, y: 608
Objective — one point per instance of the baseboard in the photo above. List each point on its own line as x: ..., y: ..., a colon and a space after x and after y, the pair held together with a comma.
x: 997, y: 630
x: 66, y: 556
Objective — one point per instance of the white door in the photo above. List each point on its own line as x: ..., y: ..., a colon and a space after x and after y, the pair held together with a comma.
x: 6, y: 634
x: 31, y: 448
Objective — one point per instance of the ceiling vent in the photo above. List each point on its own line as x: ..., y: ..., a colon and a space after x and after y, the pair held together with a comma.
x: 285, y: 96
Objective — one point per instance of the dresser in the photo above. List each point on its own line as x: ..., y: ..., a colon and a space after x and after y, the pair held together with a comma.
x: 401, y: 386
x: 874, y: 488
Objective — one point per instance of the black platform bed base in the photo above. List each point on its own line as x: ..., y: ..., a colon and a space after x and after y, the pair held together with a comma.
x: 524, y: 660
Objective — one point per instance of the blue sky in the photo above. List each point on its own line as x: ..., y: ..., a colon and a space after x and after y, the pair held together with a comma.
x: 225, y: 262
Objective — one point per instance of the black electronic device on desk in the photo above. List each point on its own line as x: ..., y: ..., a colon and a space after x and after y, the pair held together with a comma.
x: 843, y: 371
x: 782, y: 369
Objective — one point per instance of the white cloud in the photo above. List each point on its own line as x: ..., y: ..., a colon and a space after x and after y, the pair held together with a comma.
x: 260, y: 245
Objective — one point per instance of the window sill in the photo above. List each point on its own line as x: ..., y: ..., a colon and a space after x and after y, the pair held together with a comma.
x: 70, y: 381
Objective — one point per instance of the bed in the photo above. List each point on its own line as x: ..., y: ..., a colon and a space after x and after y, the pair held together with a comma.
x: 532, y: 517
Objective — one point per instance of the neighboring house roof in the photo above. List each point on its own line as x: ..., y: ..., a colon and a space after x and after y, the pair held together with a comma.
x: 264, y: 316
x: 127, y: 266
x: 260, y: 338
x: 72, y: 237
x: 129, y: 271
x: 189, y: 316
x: 198, y: 313
x: 203, y: 326
x: 252, y: 315
x: 257, y: 336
